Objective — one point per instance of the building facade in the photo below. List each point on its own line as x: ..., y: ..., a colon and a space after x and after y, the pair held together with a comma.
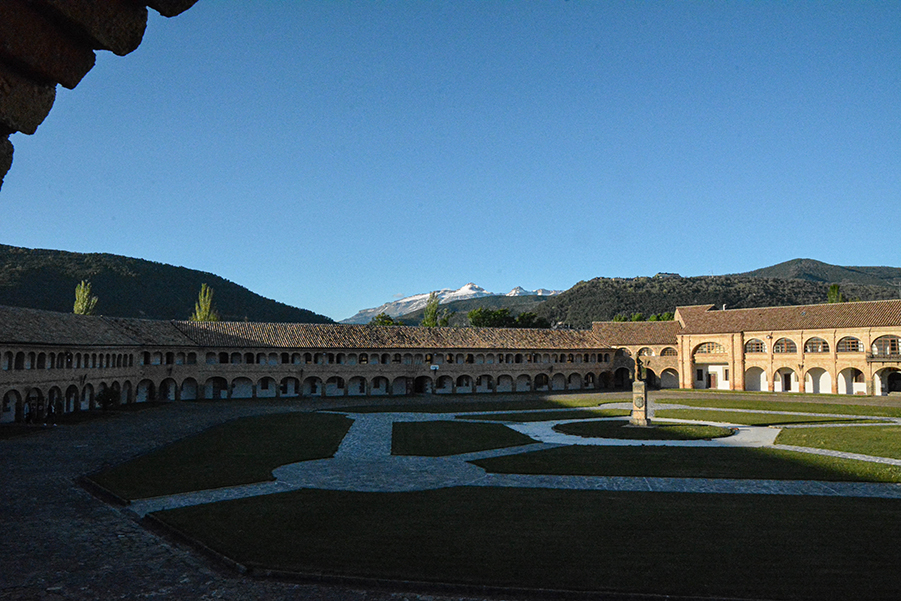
x: 52, y: 363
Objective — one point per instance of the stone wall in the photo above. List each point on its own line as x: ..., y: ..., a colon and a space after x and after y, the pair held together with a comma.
x: 48, y: 42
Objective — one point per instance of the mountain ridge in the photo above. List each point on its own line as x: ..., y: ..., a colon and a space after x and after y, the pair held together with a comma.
x: 129, y: 287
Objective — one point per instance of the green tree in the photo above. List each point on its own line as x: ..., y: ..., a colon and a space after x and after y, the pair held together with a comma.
x: 203, y: 308
x: 834, y: 294
x: 637, y: 317
x: 85, y: 302
x: 486, y: 318
x: 383, y: 319
x: 531, y: 320
x: 620, y: 317
x: 431, y: 316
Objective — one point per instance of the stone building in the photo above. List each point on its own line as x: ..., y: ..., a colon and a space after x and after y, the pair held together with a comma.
x: 59, y: 362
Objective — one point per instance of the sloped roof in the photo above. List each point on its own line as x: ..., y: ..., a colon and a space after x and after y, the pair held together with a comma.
x: 631, y: 333
x: 33, y: 326
x: 294, y: 335
x: 702, y: 319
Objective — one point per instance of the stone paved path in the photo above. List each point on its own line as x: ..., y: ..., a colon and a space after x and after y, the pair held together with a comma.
x: 364, y: 463
x: 58, y: 542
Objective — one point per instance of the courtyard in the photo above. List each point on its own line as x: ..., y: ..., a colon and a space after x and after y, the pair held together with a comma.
x: 733, y: 495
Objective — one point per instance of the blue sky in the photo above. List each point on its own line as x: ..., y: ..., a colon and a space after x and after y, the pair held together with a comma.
x: 335, y: 155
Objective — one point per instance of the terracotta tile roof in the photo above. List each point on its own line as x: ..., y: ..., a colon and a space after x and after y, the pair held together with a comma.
x: 32, y: 326
x: 702, y: 319
x: 630, y: 333
x: 293, y: 335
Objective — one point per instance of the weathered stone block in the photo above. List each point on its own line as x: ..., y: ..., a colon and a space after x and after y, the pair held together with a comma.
x: 6, y: 157
x: 114, y: 25
x: 170, y: 8
x: 32, y: 41
x: 23, y: 103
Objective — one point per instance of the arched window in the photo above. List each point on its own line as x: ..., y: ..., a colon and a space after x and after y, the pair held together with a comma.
x: 816, y: 345
x: 707, y: 348
x: 785, y: 345
x: 669, y: 352
x: 887, y: 345
x: 755, y: 345
x: 849, y: 344
x: 645, y: 352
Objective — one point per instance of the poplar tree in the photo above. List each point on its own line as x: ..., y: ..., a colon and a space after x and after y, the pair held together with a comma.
x: 85, y: 302
x: 430, y: 315
x: 203, y: 308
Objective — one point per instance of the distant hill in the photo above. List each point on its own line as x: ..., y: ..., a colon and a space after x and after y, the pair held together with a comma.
x: 817, y: 271
x: 516, y: 304
x: 601, y: 299
x: 126, y: 287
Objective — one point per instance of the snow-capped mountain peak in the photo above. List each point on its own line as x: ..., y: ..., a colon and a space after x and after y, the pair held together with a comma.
x: 418, y: 301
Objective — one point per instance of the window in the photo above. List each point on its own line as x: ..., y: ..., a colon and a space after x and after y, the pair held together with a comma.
x: 886, y: 345
x: 785, y: 345
x: 645, y: 352
x: 726, y: 374
x: 706, y: 348
x: 816, y: 345
x: 669, y: 352
x: 755, y: 345
x: 700, y: 375
x: 849, y: 344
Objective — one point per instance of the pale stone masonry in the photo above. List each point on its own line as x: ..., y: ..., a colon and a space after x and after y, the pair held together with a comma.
x: 58, y: 363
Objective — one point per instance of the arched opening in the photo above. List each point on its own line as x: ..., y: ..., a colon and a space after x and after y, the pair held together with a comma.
x: 422, y: 385
x: 334, y: 386
x: 622, y: 378
x: 127, y: 392
x: 401, y: 386
x: 72, y: 400
x: 215, y: 388
x: 817, y: 381
x: 464, y: 385
x: 241, y: 388
x: 289, y: 387
x: 484, y: 383
x: 558, y: 382
x: 379, y: 386
x: 542, y: 383
x: 12, y: 408
x: 312, y: 386
x: 189, y: 389
x: 523, y: 383
x: 168, y: 390
x: 266, y: 388
x: 669, y: 379
x: 445, y: 385
x: 574, y: 382
x: 755, y: 379
x: 505, y: 384
x: 886, y: 347
x: 146, y: 391
x: 356, y: 386
x: 851, y: 381
x: 87, y: 397
x: 786, y: 380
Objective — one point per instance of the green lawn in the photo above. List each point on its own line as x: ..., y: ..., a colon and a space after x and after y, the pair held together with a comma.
x: 796, y: 406
x: 879, y: 441
x: 543, y: 416
x: 747, y: 546
x: 623, y: 430
x: 442, y: 438
x: 690, y: 462
x: 750, y: 419
x: 237, y: 452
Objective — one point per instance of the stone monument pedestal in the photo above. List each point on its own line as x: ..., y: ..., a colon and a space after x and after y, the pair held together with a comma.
x: 639, y: 415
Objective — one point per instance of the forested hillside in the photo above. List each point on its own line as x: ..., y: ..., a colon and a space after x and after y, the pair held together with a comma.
x: 601, y: 299
x: 126, y: 287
